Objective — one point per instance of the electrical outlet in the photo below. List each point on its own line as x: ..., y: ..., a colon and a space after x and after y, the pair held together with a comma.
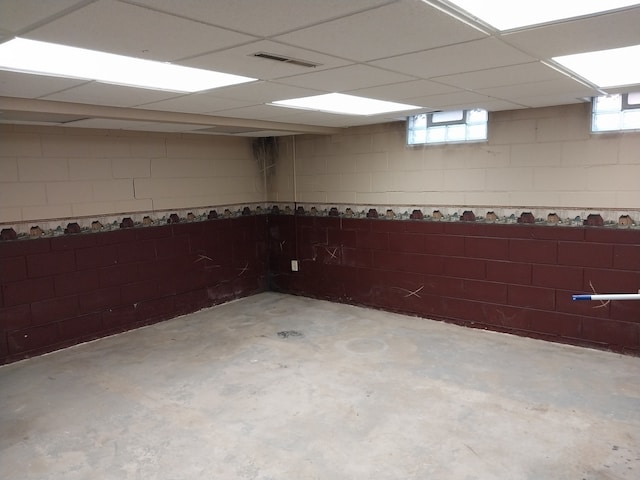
x: 294, y: 265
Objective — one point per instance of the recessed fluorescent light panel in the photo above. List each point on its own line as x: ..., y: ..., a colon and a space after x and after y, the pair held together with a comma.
x: 606, y: 68
x: 344, y: 104
x: 509, y: 14
x: 30, y: 56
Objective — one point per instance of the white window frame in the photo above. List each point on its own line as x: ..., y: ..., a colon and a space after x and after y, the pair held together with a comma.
x: 427, y: 129
x: 615, y: 113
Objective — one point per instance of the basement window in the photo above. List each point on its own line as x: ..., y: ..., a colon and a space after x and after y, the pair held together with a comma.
x: 454, y: 126
x: 616, y: 112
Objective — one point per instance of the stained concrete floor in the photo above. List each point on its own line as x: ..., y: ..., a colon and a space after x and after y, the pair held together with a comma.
x: 282, y: 387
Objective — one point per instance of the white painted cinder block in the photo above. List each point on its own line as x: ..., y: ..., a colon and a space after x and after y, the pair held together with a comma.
x: 557, y: 129
x: 512, y: 132
x: 185, y: 167
x: 536, y: 154
x: 69, y: 192
x: 22, y: 194
x: 374, y: 162
x: 66, y: 146
x: 509, y: 179
x: 20, y: 144
x: 629, y: 148
x: 597, y: 150
x: 630, y: 199
x: 147, y: 146
x: 375, y: 198
x: 466, y: 179
x: 359, y: 182
x: 8, y: 170
x: 143, y: 205
x: 109, y: 146
x: 93, y: 208
x: 112, y: 190
x: 131, y: 167
x: 43, y: 212
x: 10, y: 214
x: 89, y: 168
x: 622, y: 178
x: 559, y: 179
x: 43, y: 169
x: 406, y: 198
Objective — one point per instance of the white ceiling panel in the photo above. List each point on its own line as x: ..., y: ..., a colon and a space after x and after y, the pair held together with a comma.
x: 600, y: 32
x: 466, y: 57
x: 195, y: 103
x: 263, y: 92
x: 394, y: 29
x: 500, y: 76
x: 267, y: 133
x: 241, y: 60
x: 117, y: 27
x: 306, y: 117
x: 105, y: 94
x: 134, y: 125
x: 408, y: 51
x: 439, y: 102
x: 346, y: 78
x: 262, y: 17
x: 401, y: 91
x: 33, y: 86
x: 255, y: 112
x: 16, y: 15
x: 548, y: 100
x: 550, y: 87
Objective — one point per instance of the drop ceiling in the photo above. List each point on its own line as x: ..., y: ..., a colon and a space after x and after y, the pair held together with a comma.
x: 410, y: 51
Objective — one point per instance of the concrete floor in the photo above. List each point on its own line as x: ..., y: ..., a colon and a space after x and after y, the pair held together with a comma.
x: 282, y: 387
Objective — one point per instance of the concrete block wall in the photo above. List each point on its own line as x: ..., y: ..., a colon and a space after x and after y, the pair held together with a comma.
x: 511, y: 278
x: 56, y: 292
x: 545, y: 157
x: 48, y: 173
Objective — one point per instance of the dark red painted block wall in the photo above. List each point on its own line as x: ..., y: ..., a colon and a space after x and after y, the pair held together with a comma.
x: 60, y: 291
x: 513, y: 278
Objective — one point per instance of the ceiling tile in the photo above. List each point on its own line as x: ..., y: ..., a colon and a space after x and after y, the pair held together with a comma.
x: 255, y: 112
x: 113, y: 124
x: 366, y: 36
x: 263, y: 18
x: 116, y: 27
x: 16, y: 15
x: 241, y: 60
x: 346, y: 78
x: 37, y: 117
x: 23, y: 85
x: 398, y: 50
x: 265, y: 133
x: 263, y: 92
x: 548, y: 100
x: 451, y: 99
x: 403, y: 90
x: 467, y: 57
x: 562, y: 85
x: 195, y: 103
x: 310, y: 117
x: 105, y: 94
x: 496, y: 77
x: 599, y: 32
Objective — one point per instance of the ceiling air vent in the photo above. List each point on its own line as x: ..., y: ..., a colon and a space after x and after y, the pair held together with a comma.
x: 283, y: 59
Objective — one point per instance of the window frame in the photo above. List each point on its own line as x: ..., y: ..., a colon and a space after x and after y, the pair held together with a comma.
x: 430, y: 124
x: 616, y: 114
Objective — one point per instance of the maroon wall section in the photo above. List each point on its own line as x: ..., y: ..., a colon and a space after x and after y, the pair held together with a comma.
x: 63, y: 290
x: 513, y: 278
x: 59, y: 291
